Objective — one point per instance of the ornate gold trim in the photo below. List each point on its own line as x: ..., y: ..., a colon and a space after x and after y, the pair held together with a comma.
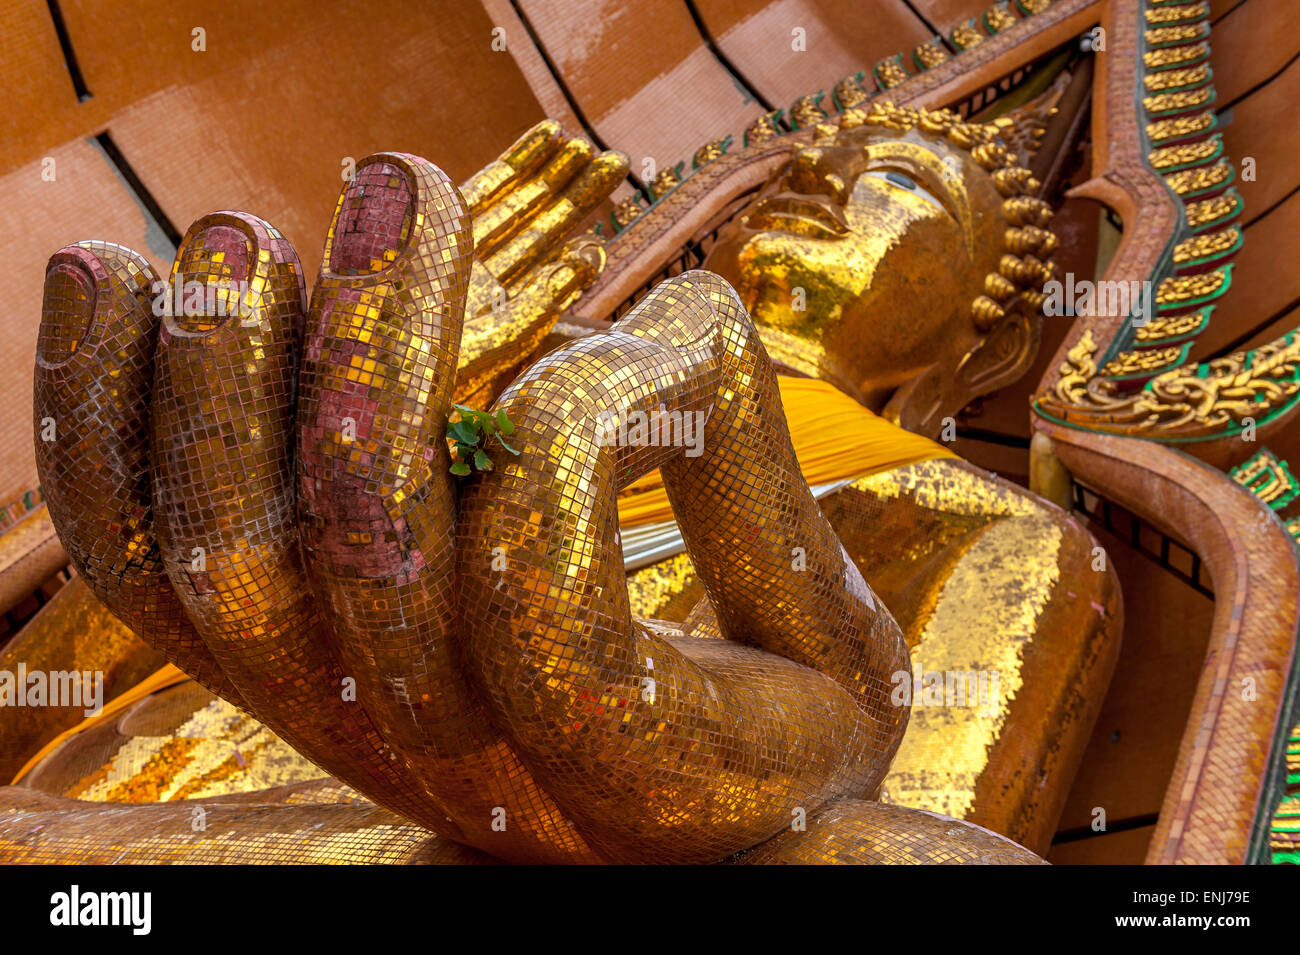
x: 1187, y: 403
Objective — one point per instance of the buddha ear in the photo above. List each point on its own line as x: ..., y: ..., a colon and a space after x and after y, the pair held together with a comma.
x: 998, y: 359
x: 1003, y: 355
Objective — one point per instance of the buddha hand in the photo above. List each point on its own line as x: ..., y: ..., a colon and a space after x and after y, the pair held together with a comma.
x: 261, y: 487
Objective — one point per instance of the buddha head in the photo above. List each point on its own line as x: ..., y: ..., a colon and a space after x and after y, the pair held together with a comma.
x: 900, y: 255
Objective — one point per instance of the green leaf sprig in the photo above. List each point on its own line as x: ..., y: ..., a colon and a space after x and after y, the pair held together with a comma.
x: 470, y: 434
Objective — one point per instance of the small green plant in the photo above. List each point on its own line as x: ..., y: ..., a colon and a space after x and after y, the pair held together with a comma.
x: 469, y: 434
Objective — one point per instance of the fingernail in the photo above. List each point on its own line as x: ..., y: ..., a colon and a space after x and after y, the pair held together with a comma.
x: 211, y: 275
x: 373, y: 222
x: 68, y: 308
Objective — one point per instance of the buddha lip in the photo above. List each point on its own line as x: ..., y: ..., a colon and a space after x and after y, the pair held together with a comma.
x: 800, y: 215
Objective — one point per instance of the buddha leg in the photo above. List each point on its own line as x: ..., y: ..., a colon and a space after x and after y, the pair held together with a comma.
x: 671, y: 750
x: 222, y: 462
x: 377, y: 505
x: 40, y: 828
x: 315, y: 823
x: 94, y: 381
x: 857, y: 832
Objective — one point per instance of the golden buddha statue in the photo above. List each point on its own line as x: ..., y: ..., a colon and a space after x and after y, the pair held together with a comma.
x: 468, y: 656
x: 855, y: 259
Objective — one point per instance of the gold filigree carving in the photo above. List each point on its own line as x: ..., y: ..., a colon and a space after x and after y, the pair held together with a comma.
x: 997, y: 18
x: 849, y: 93
x: 626, y: 211
x: 1173, y: 79
x: 1211, y: 210
x: 966, y: 36
x: 1077, y: 370
x: 807, y: 110
x: 1180, y: 127
x: 1170, y: 326
x: 1178, y: 13
x: 1171, y: 157
x: 1182, y: 99
x: 1183, y: 33
x: 1192, y: 401
x: 1171, y: 56
x: 1188, y: 181
x: 667, y: 180
x: 890, y: 73
x: 1181, y: 289
x: 710, y: 151
x: 1139, y: 360
x: 761, y: 130
x: 1206, y: 245
x: 929, y: 55
x: 1269, y: 478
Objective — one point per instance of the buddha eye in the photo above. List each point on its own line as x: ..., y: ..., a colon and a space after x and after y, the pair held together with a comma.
x: 904, y: 182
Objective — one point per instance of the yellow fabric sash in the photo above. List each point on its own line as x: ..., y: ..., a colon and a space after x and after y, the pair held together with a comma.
x: 834, y: 438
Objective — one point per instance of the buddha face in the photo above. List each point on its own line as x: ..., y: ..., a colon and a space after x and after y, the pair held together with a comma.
x: 862, y: 255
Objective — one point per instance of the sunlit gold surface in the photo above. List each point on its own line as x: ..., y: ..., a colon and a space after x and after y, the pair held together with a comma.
x: 668, y: 589
x: 988, y: 608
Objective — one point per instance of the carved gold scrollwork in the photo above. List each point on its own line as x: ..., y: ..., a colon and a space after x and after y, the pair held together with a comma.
x: 1192, y: 401
x: 1269, y: 478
